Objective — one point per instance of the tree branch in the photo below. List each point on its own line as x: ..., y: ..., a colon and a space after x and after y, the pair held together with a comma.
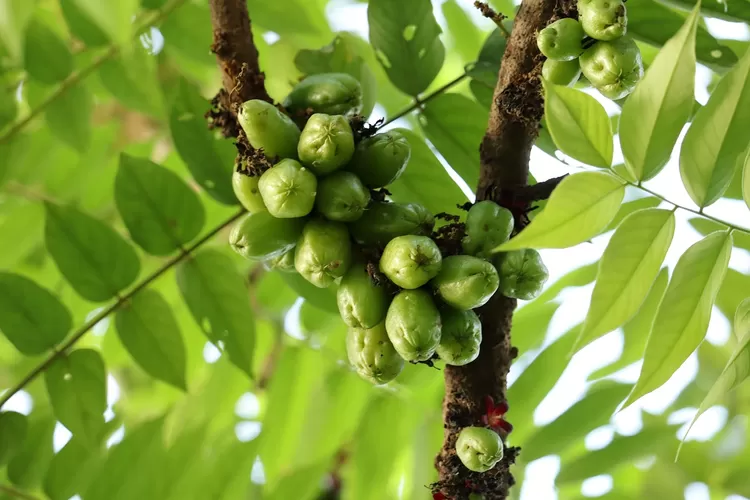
x: 512, y: 129
x: 236, y: 54
x: 83, y: 330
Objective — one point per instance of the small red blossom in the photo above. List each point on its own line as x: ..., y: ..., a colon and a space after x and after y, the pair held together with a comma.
x: 494, y: 415
x: 438, y: 496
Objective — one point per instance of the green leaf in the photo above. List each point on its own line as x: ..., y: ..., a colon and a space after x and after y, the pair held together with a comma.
x: 456, y: 124
x: 385, y: 431
x: 161, y: 212
x: 273, y: 295
x: 309, y: 17
x: 341, y: 56
x: 131, y: 78
x: 653, y: 23
x: 96, y: 261
x: 113, y: 18
x: 594, y: 410
x: 77, y: 388
x: 682, y: 320
x: 746, y: 180
x: 741, y: 324
x: 72, y: 469
x: 14, y: 16
x: 133, y: 468
x: 578, y: 124
x: 209, y: 160
x: 13, y: 428
x: 26, y: 469
x: 580, y: 207
x: 149, y: 331
x: 297, y: 375
x: 8, y: 113
x: 188, y: 31
x: 581, y: 276
x: 637, y: 329
x: 406, y: 40
x: 31, y: 317
x: 425, y: 181
x: 707, y: 226
x: 530, y: 324
x: 733, y: 290
x: 68, y: 117
x: 736, y: 370
x: 324, y: 299
x: 301, y: 484
x: 466, y: 37
x: 218, y: 299
x: 81, y: 25
x: 46, y: 57
x: 654, y: 114
x: 629, y: 207
x: 627, y: 270
x: 622, y: 450
x: 531, y: 387
x: 717, y: 138
x: 727, y: 10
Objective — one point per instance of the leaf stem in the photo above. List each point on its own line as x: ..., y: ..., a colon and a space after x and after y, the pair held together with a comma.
x: 78, y: 76
x: 420, y: 102
x: 85, y: 328
x: 699, y: 213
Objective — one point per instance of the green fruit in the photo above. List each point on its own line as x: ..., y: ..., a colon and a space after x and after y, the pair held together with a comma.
x: 487, y: 226
x: 323, y: 253
x: 603, y: 19
x: 342, y: 197
x: 411, y: 261
x: 288, y: 189
x: 383, y: 221
x: 330, y: 93
x: 413, y: 325
x: 466, y: 282
x: 479, y: 448
x: 522, y: 273
x: 614, y: 68
x: 564, y: 73
x: 461, y: 336
x: 246, y: 191
x: 362, y: 303
x: 561, y: 40
x: 381, y: 159
x: 326, y: 143
x: 372, y: 354
x: 261, y: 236
x: 269, y: 129
x: 283, y: 263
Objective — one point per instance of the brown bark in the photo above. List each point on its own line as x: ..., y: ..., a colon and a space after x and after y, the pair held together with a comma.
x: 504, y: 153
x: 238, y: 60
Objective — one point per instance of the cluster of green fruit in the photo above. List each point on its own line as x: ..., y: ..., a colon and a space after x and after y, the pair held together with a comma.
x: 318, y: 212
x: 596, y: 45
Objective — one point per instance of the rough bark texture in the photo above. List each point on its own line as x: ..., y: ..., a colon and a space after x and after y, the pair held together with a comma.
x: 238, y: 60
x: 511, y: 132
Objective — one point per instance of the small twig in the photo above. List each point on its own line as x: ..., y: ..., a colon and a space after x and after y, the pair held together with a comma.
x: 76, y: 336
x: 419, y: 102
x: 13, y: 492
x: 700, y: 212
x: 496, y: 17
x: 540, y: 190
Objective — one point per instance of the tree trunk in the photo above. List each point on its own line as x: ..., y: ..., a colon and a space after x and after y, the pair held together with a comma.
x: 517, y: 108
